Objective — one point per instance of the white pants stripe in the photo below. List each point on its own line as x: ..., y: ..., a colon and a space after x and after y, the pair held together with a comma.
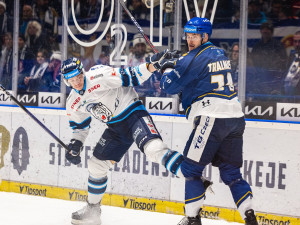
x: 200, y: 138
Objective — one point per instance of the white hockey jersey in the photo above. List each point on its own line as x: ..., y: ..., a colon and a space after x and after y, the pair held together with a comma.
x: 108, y: 95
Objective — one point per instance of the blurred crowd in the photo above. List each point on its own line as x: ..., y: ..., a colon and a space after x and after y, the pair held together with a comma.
x: 272, y: 68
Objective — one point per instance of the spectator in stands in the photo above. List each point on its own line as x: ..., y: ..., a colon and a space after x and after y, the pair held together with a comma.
x: 77, y: 9
x: 88, y: 60
x: 27, y: 16
x: 291, y: 81
x: 276, y: 8
x: 74, y: 49
x: 286, y: 14
x: 255, y: 15
x: 9, y: 7
x: 139, y: 51
x: 296, y: 9
x: 26, y: 56
x: 234, y: 59
x: 46, y: 15
x: 50, y: 82
x: 139, y: 10
x: 236, y: 15
x: 138, y: 56
x: 6, y: 62
x: 91, y: 9
x: 106, y: 50
x: 269, y: 59
x: 6, y: 22
x: 52, y: 41
x: 269, y: 53
x: 34, y: 37
x: 33, y: 81
x: 224, y: 11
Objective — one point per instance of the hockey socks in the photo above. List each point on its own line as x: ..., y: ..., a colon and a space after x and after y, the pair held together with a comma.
x: 194, y: 196
x: 240, y: 191
x: 96, y: 189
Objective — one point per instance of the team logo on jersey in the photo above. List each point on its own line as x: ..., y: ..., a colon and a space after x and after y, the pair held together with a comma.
x: 96, y: 76
x: 94, y: 88
x: 75, y: 102
x: 205, y: 103
x: 150, y: 125
x: 99, y: 111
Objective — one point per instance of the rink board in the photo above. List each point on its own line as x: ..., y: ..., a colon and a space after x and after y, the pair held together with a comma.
x: 138, y: 203
x: 31, y: 159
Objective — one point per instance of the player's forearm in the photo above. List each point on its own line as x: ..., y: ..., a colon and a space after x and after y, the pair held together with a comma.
x: 169, y: 83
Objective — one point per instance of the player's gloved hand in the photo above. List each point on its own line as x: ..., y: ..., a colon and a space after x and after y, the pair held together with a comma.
x: 170, y: 64
x: 158, y: 59
x: 175, y: 54
x: 73, y: 152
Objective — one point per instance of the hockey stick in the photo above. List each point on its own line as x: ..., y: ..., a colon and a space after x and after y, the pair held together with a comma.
x: 32, y: 116
x: 138, y: 26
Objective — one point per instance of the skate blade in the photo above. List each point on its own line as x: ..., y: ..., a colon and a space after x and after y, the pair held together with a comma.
x: 85, y: 222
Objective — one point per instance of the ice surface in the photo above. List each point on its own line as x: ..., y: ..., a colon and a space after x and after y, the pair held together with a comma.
x: 20, y: 209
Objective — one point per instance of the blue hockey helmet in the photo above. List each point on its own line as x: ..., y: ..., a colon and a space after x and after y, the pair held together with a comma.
x: 198, y: 25
x: 71, y: 68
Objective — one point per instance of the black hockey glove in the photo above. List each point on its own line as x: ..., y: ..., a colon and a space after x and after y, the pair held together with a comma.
x: 175, y: 54
x: 158, y: 59
x: 73, y: 154
x: 170, y: 64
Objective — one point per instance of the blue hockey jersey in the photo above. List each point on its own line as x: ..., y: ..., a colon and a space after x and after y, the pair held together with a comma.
x: 203, y: 79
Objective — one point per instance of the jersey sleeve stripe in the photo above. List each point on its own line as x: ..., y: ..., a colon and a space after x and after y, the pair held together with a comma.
x: 125, y: 77
x: 203, y: 50
x: 135, y: 81
x: 81, y: 125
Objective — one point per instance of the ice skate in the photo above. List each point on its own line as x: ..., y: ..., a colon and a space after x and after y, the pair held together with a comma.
x: 88, y: 215
x: 190, y: 221
x: 250, y: 218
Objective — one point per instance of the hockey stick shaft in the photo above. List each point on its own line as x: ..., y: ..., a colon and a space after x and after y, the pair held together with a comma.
x: 32, y: 116
x: 138, y: 26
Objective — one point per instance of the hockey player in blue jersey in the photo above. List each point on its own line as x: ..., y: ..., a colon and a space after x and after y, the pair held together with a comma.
x: 203, y: 78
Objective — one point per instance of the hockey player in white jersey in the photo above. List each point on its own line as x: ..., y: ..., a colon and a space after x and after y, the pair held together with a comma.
x: 107, y: 94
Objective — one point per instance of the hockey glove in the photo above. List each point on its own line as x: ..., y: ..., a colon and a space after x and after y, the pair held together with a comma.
x: 173, y: 54
x: 167, y: 65
x: 159, y: 58
x: 73, y: 152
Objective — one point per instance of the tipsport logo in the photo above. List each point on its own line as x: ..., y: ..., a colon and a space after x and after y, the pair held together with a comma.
x: 133, y: 204
x: 210, y: 214
x: 264, y: 221
x: 76, y: 196
x: 33, y: 191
